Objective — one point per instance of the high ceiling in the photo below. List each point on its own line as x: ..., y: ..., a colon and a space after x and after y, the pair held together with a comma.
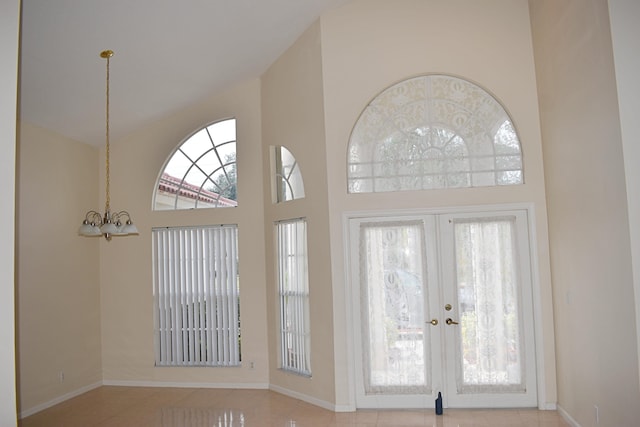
x: 169, y: 54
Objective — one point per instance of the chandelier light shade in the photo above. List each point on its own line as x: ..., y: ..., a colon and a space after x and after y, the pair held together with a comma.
x: 110, y: 223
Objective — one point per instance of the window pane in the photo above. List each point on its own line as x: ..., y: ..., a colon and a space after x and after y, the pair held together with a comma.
x: 488, y: 303
x: 222, y: 132
x: 196, y: 145
x: 293, y: 291
x: 201, y: 173
x: 287, y: 176
x: 430, y: 126
x: 393, y: 301
x: 178, y: 165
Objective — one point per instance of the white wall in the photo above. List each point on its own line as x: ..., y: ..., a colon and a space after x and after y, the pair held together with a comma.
x: 126, y: 297
x: 595, y: 313
x: 9, y: 22
x: 293, y: 116
x: 624, y: 16
x: 367, y: 46
x: 58, y: 289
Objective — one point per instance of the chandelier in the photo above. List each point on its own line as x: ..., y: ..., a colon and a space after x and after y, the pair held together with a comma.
x: 111, y: 223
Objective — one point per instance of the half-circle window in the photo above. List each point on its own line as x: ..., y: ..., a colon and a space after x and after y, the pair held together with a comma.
x: 201, y: 172
x: 432, y: 132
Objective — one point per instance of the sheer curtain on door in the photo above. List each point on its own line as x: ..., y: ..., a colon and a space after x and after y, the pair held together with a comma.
x: 392, y: 276
x: 490, y: 340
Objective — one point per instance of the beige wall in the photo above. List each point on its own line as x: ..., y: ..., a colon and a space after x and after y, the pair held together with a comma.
x: 309, y: 101
x: 125, y: 273
x: 9, y: 25
x: 624, y: 17
x: 370, y: 44
x: 57, y: 270
x: 588, y: 222
x: 293, y: 116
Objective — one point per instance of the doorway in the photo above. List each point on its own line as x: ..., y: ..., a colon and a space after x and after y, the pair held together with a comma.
x: 443, y: 303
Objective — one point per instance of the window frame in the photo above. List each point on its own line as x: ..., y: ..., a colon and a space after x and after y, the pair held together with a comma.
x: 287, y: 183
x: 294, y: 332
x: 182, y: 194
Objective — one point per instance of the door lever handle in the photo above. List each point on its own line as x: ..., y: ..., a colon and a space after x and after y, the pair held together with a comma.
x: 434, y: 322
x: 450, y: 321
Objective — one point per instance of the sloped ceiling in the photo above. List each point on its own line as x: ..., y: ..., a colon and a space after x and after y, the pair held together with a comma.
x: 169, y: 54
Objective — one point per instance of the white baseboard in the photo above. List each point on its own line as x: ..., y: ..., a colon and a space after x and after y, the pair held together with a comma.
x: 565, y: 415
x: 126, y: 383
x: 59, y: 399
x: 312, y: 400
x: 82, y: 390
x: 548, y: 406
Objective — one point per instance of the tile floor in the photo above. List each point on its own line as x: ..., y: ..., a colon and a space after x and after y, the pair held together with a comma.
x: 190, y: 407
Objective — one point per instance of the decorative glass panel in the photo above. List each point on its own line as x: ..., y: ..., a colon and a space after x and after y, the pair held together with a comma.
x: 433, y: 132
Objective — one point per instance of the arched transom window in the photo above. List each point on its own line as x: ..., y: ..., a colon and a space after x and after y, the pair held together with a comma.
x: 432, y: 132
x: 201, y: 172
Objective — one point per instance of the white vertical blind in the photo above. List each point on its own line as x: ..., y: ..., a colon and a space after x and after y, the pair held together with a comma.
x: 293, y: 290
x: 195, y: 288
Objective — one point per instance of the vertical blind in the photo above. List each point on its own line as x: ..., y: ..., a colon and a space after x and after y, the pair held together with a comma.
x: 293, y: 289
x: 195, y: 288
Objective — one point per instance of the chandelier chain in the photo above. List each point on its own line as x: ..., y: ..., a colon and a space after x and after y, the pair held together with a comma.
x: 111, y: 223
x: 107, y: 147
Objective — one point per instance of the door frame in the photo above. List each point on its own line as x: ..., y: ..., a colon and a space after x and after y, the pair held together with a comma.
x: 536, y: 291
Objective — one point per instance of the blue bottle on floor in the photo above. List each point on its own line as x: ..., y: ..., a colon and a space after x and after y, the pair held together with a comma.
x: 439, y: 404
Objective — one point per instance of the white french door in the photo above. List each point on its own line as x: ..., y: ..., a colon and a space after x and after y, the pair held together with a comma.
x: 442, y: 303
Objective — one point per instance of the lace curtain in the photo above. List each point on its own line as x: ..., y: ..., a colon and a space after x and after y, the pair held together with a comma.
x: 392, y: 298
x: 490, y: 339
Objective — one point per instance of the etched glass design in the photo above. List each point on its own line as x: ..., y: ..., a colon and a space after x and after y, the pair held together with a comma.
x: 433, y: 132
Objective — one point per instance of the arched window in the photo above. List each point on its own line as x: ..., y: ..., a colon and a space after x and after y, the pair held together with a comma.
x: 433, y: 132
x: 201, y: 172
x: 287, y: 177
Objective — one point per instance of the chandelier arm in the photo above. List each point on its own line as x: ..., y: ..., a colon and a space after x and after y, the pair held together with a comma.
x: 93, y: 217
x: 121, y: 213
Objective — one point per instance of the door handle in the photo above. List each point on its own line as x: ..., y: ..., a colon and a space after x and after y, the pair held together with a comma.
x: 434, y: 322
x: 450, y: 321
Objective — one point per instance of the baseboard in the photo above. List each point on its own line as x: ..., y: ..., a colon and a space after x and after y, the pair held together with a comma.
x: 59, y: 399
x: 548, y: 406
x: 312, y: 400
x: 82, y: 390
x: 126, y: 383
x: 565, y: 415
x: 254, y: 386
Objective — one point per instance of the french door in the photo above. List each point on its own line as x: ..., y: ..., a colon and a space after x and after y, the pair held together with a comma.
x: 442, y: 303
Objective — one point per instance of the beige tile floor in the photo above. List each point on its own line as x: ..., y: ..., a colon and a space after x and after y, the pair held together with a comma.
x: 190, y: 407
